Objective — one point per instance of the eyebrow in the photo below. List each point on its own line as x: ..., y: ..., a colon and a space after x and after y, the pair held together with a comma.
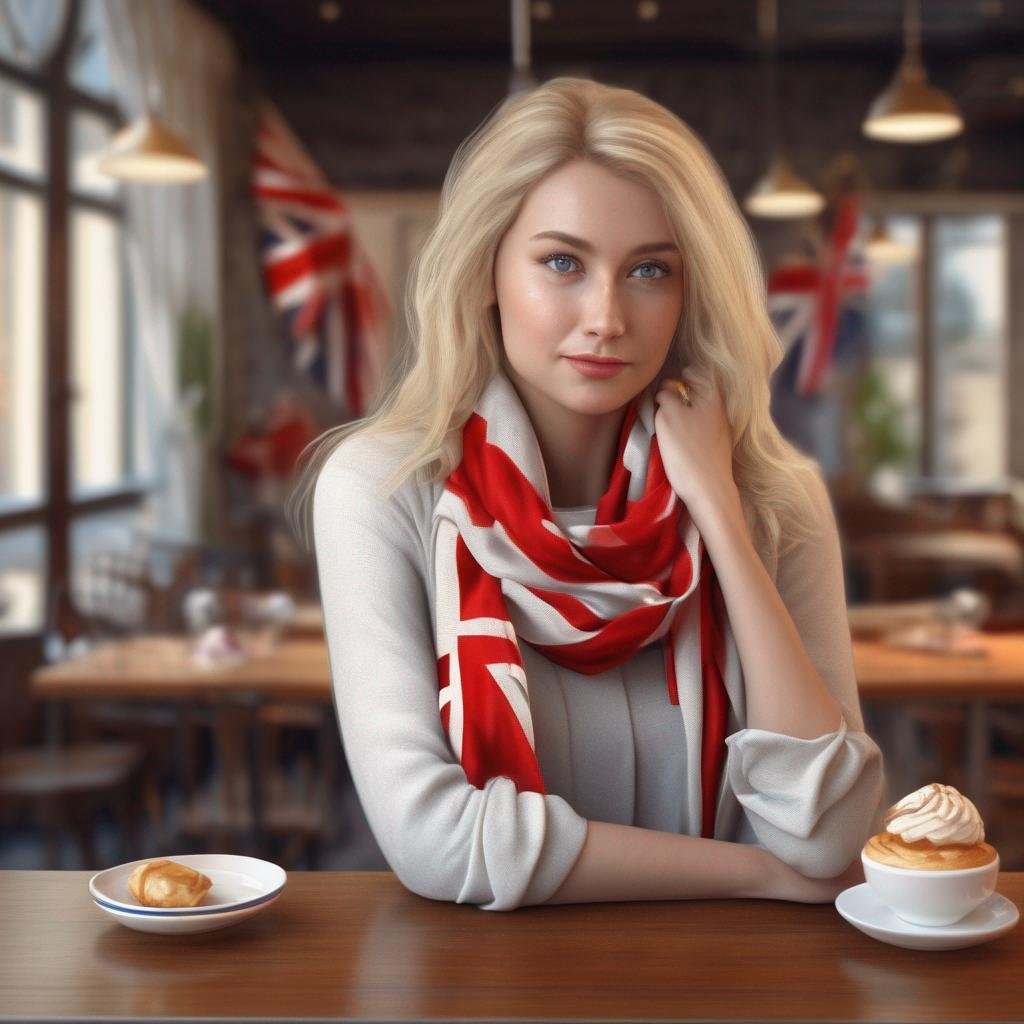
x: 580, y: 243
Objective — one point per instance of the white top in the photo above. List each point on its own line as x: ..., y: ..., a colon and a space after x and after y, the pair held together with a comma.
x: 610, y: 747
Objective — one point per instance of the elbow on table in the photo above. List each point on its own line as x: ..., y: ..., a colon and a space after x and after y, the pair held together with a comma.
x: 825, y: 859
x: 826, y: 853
x: 491, y: 847
x: 422, y: 879
x: 437, y: 866
x: 429, y: 888
x: 424, y: 872
x: 840, y: 833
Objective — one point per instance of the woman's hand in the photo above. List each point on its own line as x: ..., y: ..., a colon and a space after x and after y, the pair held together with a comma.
x: 695, y: 442
x: 779, y: 881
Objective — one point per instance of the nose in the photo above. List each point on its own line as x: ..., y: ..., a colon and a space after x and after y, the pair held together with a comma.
x: 603, y: 315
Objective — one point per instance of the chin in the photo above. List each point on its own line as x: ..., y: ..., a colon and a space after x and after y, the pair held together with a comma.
x: 605, y: 397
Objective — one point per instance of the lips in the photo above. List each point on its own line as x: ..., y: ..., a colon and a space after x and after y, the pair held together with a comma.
x: 600, y: 360
x: 596, y: 369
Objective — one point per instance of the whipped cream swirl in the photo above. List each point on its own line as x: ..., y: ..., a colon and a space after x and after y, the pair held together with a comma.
x: 938, y: 813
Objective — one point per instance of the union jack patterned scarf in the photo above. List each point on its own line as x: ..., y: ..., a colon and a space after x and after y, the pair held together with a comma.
x: 587, y: 597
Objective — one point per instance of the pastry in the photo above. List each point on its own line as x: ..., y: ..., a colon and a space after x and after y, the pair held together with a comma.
x: 164, y: 883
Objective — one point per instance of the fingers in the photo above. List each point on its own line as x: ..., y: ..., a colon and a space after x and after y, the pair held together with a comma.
x: 695, y: 386
x: 681, y: 390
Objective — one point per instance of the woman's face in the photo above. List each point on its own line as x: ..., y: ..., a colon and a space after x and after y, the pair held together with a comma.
x: 589, y: 268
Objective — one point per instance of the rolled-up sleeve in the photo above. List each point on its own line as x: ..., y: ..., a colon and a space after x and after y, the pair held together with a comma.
x: 444, y: 838
x: 814, y: 802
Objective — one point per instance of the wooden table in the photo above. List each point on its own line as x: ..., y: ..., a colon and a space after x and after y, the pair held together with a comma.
x: 350, y: 946
x: 891, y: 676
x: 885, y: 673
x: 308, y: 621
x: 157, y: 668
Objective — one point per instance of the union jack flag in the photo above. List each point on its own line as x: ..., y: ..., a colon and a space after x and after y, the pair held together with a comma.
x: 805, y: 298
x: 315, y: 271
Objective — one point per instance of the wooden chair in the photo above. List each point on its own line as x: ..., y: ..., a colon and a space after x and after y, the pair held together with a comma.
x: 117, y: 595
x: 142, y: 590
x: 254, y: 746
x: 58, y: 786
x: 294, y: 794
x: 926, y: 544
x: 64, y: 788
x: 1005, y: 821
x: 299, y: 748
x: 919, y: 550
x: 908, y: 565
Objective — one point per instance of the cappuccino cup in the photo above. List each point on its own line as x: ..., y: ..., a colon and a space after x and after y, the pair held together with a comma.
x: 929, y: 897
x: 931, y: 866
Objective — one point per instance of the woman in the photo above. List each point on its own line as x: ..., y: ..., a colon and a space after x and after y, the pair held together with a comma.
x: 682, y: 719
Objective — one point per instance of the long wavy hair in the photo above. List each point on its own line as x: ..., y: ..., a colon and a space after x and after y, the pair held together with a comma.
x: 455, y: 336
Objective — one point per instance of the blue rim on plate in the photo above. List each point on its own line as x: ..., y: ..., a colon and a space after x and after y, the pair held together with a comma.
x: 272, y: 874
x: 228, y: 908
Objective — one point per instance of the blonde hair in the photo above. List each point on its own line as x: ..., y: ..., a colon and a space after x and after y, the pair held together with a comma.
x: 456, y: 343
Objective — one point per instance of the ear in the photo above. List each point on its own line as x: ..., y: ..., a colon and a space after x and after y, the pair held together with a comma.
x: 490, y: 299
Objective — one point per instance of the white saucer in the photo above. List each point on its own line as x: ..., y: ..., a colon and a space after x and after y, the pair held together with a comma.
x: 242, y: 886
x: 864, y: 910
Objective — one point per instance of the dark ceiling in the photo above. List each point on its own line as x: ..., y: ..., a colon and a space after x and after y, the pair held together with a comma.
x: 288, y: 32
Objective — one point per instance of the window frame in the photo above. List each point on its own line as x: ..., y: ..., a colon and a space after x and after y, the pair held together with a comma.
x: 928, y: 206
x: 59, y: 509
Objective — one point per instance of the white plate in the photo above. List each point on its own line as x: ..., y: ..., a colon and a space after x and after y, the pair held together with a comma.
x: 242, y: 886
x: 864, y: 910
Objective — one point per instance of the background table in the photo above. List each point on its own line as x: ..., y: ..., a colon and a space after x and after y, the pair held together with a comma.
x: 160, y: 668
x: 900, y: 678
x: 886, y: 673
x: 359, y: 946
x: 297, y: 670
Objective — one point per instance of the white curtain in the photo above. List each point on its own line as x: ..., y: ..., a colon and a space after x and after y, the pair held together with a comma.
x: 31, y: 30
x: 173, y: 59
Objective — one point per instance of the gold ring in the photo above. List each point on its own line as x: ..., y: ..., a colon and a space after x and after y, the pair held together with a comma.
x: 684, y: 391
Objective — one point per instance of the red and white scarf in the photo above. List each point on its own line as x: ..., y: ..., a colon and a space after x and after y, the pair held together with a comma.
x: 587, y: 597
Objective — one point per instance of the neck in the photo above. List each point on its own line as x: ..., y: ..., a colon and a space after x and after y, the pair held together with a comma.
x: 578, y: 449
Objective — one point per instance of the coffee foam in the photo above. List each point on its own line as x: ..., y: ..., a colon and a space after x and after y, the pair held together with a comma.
x: 924, y: 855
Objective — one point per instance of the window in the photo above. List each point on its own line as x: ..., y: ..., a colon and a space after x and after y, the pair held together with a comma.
x: 968, y: 268
x: 66, y: 458
x: 21, y: 348
x: 939, y: 314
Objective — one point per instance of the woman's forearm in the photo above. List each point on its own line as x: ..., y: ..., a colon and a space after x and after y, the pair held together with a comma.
x: 622, y: 862
x: 784, y: 692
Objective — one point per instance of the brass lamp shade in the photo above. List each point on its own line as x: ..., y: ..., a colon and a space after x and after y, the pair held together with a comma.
x: 147, y: 150
x: 912, y: 110
x: 883, y: 249
x: 781, y: 194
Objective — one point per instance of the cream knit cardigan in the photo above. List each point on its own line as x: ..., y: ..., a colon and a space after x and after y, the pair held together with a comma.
x: 609, y: 746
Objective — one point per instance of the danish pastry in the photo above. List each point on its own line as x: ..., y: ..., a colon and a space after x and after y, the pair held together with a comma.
x: 165, y: 883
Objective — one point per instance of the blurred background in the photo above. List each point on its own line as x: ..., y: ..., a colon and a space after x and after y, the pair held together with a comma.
x: 207, y: 213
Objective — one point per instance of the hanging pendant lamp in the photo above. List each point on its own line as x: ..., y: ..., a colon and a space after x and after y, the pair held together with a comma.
x: 883, y: 249
x: 147, y: 150
x: 779, y: 193
x: 911, y: 109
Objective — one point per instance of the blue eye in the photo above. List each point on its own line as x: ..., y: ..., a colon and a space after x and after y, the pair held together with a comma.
x: 562, y: 259
x: 564, y: 271
x: 656, y: 266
